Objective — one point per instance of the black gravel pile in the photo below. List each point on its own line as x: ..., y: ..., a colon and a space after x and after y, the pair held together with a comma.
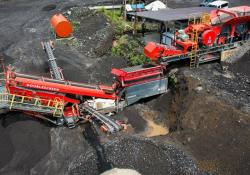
x: 232, y: 85
x: 101, y: 71
x: 93, y: 34
x: 149, y: 157
x: 23, y: 143
x: 85, y: 164
x: 242, y: 66
x: 142, y: 154
x: 68, y: 149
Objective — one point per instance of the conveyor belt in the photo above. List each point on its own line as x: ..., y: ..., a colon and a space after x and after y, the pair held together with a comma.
x: 111, y: 125
x: 52, y: 62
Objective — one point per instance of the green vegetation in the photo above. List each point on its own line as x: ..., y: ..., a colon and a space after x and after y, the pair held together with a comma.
x: 172, y: 79
x: 76, y: 25
x: 126, y: 46
x: 116, y: 18
x: 129, y: 48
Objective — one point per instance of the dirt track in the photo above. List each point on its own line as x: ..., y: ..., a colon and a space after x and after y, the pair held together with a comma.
x: 220, y: 142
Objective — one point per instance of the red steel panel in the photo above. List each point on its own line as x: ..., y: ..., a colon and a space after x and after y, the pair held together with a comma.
x: 68, y: 89
x: 43, y: 95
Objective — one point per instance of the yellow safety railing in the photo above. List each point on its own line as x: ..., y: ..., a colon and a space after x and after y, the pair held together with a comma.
x: 196, y: 18
x: 205, y: 18
x: 13, y: 100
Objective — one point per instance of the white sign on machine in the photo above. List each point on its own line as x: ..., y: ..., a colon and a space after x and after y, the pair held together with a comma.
x: 100, y: 103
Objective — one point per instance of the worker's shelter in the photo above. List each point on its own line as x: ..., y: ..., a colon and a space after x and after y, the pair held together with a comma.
x: 170, y: 20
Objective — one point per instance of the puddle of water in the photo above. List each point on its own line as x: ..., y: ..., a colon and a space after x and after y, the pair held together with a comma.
x: 209, y: 165
x: 155, y: 129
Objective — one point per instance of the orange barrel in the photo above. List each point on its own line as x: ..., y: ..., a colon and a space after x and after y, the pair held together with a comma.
x: 61, y: 25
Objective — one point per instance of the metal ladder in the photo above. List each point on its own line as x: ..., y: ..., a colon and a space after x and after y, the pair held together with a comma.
x: 193, y: 19
x: 193, y: 55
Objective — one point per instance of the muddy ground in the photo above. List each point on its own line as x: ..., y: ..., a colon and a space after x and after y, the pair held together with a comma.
x: 212, y: 125
x: 206, y: 115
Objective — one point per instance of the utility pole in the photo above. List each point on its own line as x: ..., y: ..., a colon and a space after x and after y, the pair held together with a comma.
x: 166, y: 3
x: 124, y: 9
x: 135, y: 18
x: 113, y: 10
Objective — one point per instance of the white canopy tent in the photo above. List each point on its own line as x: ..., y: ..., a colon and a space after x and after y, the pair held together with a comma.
x: 155, y: 6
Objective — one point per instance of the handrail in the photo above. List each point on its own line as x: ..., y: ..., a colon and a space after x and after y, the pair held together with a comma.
x: 201, y: 52
x: 12, y: 100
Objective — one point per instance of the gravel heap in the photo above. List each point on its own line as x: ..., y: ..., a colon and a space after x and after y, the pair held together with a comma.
x: 23, y: 143
x: 149, y: 157
x: 67, y: 146
x: 239, y: 53
x: 93, y: 34
x: 144, y: 155
x: 232, y: 85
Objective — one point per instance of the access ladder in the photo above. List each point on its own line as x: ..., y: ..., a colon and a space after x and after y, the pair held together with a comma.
x: 193, y: 54
x: 195, y: 19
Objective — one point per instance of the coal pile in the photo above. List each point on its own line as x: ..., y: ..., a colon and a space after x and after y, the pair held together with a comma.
x: 232, y: 84
x: 68, y: 150
x: 141, y: 154
x: 242, y: 66
x: 149, y: 157
x: 93, y: 34
x: 19, y: 140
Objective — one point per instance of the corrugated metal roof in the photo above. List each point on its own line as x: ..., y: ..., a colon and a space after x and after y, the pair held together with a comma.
x: 165, y: 15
